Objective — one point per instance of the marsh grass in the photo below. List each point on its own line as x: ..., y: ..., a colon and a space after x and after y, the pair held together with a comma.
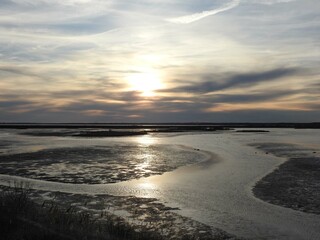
x: 21, y: 218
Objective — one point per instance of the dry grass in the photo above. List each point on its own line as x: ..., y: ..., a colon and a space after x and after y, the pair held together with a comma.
x: 21, y: 218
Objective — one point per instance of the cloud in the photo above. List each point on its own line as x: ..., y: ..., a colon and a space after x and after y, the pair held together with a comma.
x: 269, y: 2
x: 198, y: 16
x: 12, y: 104
x: 71, y: 60
x: 230, y: 5
x: 198, y: 107
x: 236, y: 80
x: 18, y: 71
x: 251, y: 97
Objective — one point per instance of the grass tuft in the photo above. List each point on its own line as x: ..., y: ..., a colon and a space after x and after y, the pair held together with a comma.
x: 23, y: 219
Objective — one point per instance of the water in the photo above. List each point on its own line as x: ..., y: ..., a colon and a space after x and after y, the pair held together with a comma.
x: 216, y: 193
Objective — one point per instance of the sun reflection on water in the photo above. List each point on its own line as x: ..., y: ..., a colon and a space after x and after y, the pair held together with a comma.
x: 146, y: 140
x: 147, y: 158
x: 147, y: 186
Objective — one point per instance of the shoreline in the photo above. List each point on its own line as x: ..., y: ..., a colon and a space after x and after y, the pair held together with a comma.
x: 142, y: 214
x: 208, y: 158
x: 294, y: 183
x: 59, y: 216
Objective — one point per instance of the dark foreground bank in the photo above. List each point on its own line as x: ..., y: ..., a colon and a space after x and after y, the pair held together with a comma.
x: 75, y: 216
x: 21, y: 218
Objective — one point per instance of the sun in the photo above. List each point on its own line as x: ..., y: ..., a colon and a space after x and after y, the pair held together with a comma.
x: 146, y: 82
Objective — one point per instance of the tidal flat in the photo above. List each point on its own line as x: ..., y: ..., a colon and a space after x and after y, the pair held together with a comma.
x: 97, y: 164
x: 191, y: 185
x: 294, y: 184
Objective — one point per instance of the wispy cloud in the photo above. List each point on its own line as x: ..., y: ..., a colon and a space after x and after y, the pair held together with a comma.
x: 269, y: 2
x: 197, y: 16
x: 230, y: 5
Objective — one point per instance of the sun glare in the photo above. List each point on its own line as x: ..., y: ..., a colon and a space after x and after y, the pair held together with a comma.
x: 145, y: 82
x: 146, y: 140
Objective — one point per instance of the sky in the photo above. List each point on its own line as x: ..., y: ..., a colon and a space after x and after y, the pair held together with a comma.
x: 159, y: 61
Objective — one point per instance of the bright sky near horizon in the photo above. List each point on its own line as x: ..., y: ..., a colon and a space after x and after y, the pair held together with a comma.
x: 159, y: 61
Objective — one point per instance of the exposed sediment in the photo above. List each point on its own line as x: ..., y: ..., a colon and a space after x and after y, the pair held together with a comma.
x: 294, y: 184
x: 98, y: 164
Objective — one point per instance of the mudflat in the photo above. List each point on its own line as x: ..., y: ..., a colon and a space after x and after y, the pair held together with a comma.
x: 294, y: 184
